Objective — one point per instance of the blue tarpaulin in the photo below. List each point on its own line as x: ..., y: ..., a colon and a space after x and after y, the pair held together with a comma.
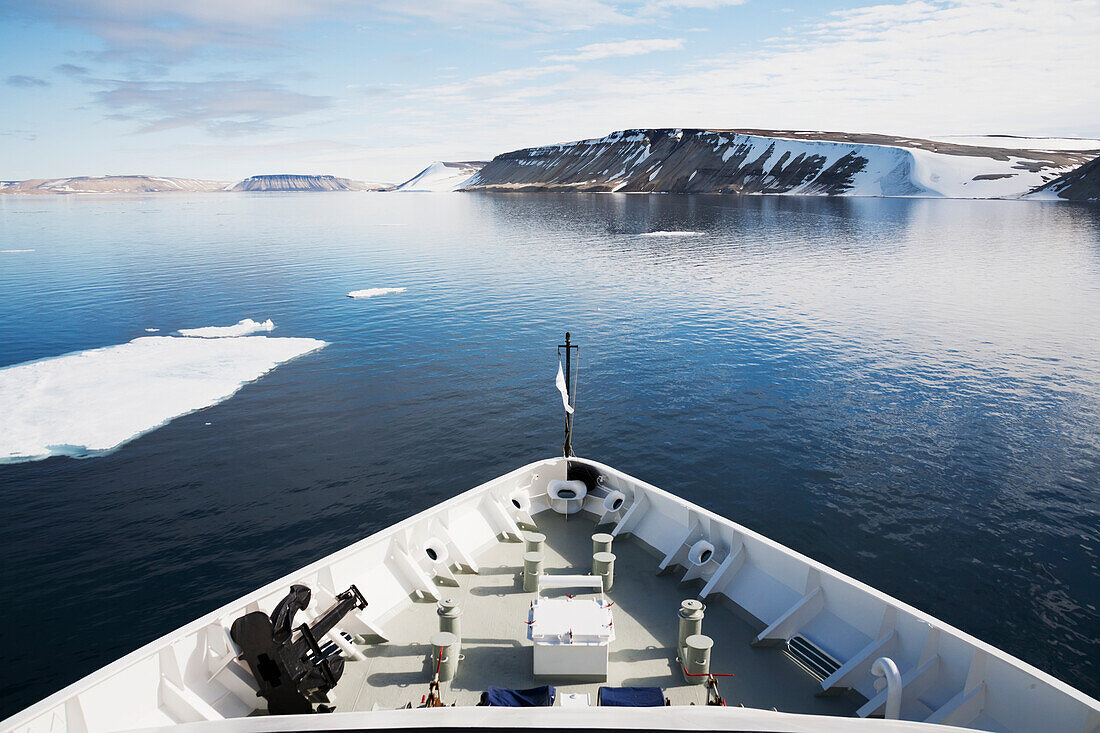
x: 536, y: 697
x: 632, y: 697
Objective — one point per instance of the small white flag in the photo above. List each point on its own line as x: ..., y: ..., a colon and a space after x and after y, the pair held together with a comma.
x: 562, y: 388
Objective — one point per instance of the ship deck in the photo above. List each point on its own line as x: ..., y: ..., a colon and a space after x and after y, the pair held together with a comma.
x: 496, y: 650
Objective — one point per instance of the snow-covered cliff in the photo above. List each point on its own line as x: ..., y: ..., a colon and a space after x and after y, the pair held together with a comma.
x: 777, y: 162
x: 1080, y: 184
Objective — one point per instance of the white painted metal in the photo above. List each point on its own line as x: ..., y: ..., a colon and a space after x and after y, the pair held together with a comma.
x: 567, y: 497
x: 571, y: 636
x: 191, y: 677
x: 885, y: 668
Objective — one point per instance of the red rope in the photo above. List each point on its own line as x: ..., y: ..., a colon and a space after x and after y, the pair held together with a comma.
x: 705, y: 674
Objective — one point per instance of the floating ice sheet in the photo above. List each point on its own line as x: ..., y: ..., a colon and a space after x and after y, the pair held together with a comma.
x: 242, y: 328
x: 14, y: 251
x: 671, y: 234
x: 371, y: 292
x: 91, y: 402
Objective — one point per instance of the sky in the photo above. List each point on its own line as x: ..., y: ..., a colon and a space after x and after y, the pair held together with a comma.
x: 377, y: 89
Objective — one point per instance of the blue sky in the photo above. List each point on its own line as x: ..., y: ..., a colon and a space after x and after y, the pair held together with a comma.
x: 376, y: 89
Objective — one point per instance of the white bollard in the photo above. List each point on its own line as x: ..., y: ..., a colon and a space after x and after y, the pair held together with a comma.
x: 444, y: 655
x: 533, y: 541
x: 449, y: 612
x: 532, y: 569
x: 601, y: 542
x: 603, y: 564
x: 691, y: 621
x: 696, y: 659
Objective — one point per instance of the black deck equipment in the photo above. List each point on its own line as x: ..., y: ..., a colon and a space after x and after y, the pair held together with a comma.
x: 291, y: 669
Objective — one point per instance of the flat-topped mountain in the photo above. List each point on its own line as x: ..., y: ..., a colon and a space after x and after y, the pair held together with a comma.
x: 111, y: 184
x: 779, y: 162
x: 288, y: 182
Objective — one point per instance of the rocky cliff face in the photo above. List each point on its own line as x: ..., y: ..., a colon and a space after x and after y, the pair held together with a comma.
x: 776, y: 162
x: 1080, y: 184
x: 283, y: 182
x: 111, y: 184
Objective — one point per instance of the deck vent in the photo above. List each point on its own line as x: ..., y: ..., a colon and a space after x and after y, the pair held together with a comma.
x: 811, y: 657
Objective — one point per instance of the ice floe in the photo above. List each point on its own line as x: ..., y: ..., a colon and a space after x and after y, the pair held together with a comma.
x: 151, y: 330
x: 242, y: 328
x: 91, y: 402
x: 371, y: 292
x: 14, y: 251
x: 671, y: 234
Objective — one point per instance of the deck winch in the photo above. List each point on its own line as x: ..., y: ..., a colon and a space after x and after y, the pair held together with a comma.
x: 288, y: 663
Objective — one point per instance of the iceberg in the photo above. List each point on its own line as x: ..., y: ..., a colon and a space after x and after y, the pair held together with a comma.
x: 91, y: 402
x: 242, y: 328
x: 371, y: 292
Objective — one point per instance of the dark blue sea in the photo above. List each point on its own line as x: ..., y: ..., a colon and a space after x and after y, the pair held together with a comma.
x: 906, y: 390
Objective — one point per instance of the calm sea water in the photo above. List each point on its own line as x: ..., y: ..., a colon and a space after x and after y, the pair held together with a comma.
x: 908, y: 391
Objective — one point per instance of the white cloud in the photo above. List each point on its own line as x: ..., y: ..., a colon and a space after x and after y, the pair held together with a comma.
x: 615, y: 49
x: 163, y: 32
x: 223, y: 108
x: 706, y: 4
x: 917, y: 67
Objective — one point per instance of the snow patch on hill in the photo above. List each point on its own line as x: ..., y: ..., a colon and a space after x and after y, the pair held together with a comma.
x: 779, y: 162
x: 1014, y: 142
x: 442, y: 176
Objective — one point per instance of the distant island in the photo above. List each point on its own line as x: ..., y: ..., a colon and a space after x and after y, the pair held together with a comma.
x: 799, y: 163
x: 112, y: 184
x: 285, y: 182
x: 438, y: 176
x: 736, y: 161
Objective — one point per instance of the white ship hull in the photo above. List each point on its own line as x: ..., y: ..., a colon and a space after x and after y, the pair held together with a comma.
x: 193, y: 677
